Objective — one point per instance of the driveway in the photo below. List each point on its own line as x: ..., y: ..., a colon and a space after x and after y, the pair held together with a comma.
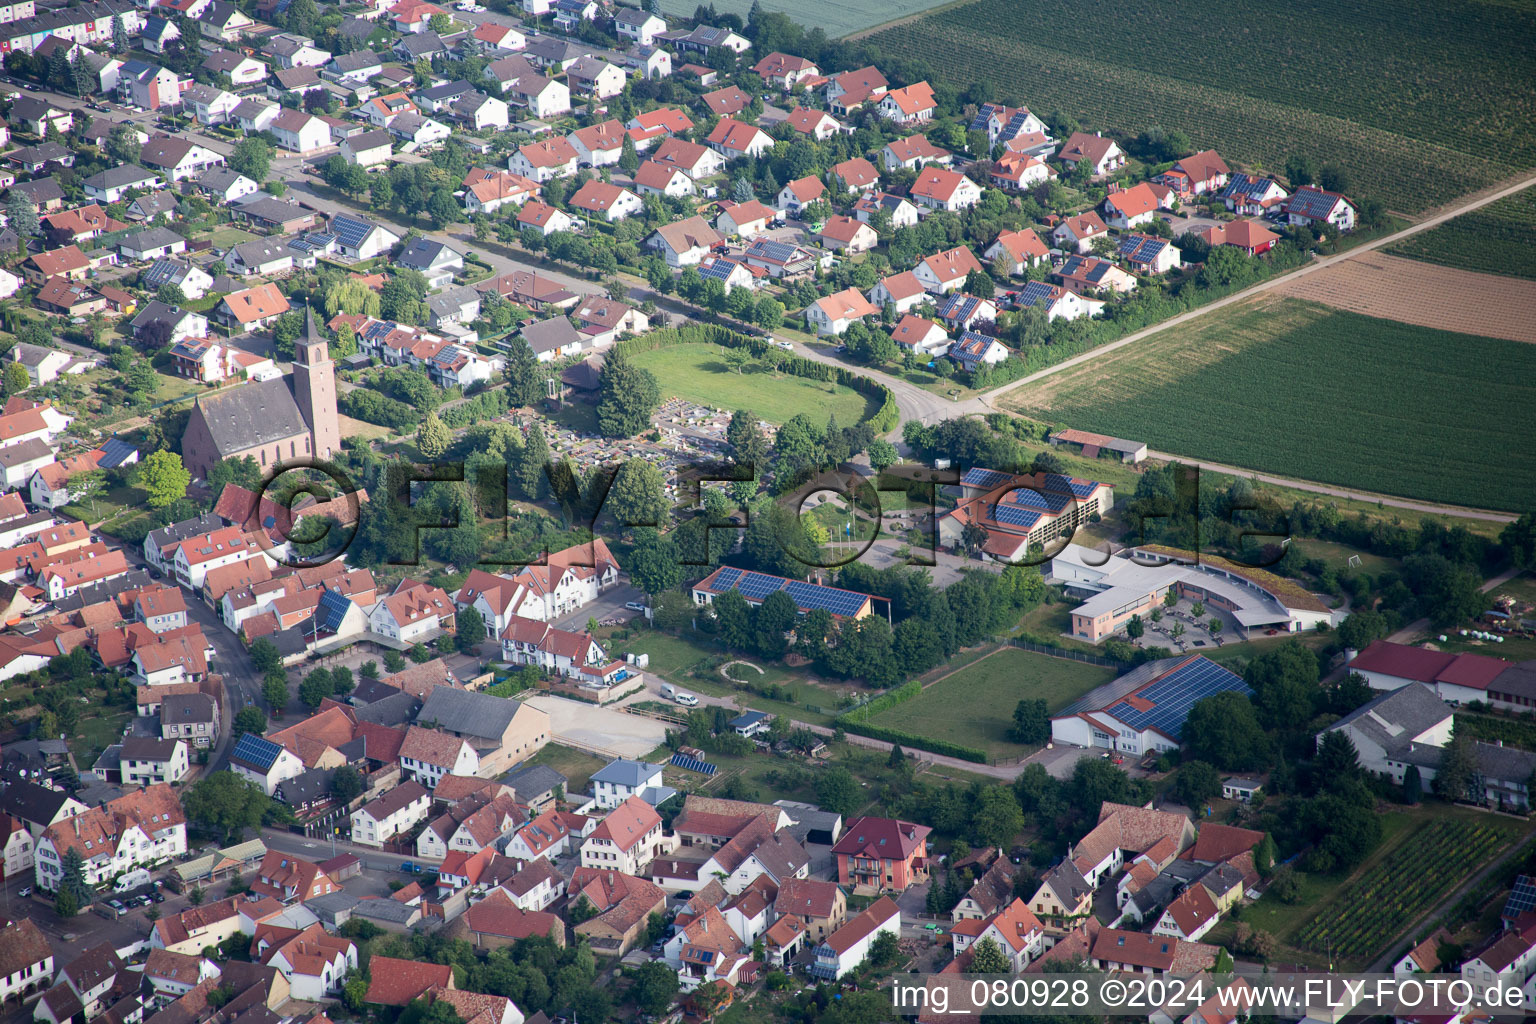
x: 609, y: 605
x: 601, y: 731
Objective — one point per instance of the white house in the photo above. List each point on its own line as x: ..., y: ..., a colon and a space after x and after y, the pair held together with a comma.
x: 315, y: 963
x: 1017, y: 932
x: 426, y: 755
x: 264, y: 762
x: 619, y: 780
x: 941, y: 189
x: 145, y: 761
x: 637, y: 25
x: 394, y: 813
x: 833, y: 314
x: 367, y: 149
x: 1311, y: 205
x: 413, y: 613
x: 626, y: 840
x: 848, y: 947
x: 27, y: 956
x: 141, y: 827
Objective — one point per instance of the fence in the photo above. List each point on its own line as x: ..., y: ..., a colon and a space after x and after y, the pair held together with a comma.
x: 1064, y: 652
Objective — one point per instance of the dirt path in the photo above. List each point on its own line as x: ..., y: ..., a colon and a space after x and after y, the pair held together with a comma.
x: 1427, y: 294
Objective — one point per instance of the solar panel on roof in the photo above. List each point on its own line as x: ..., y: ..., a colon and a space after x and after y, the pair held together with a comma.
x: 332, y: 610
x: 1175, y: 694
x: 349, y: 230
x: 1013, y: 515
x: 1033, y: 292
x: 727, y: 578
x: 256, y: 750
x: 978, y: 477
x: 1522, y: 897
x: 771, y: 250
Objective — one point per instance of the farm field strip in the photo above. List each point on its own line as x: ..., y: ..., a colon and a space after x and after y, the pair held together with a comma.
x: 1349, y: 98
x: 1499, y: 239
x: 1404, y: 884
x: 837, y: 18
x: 1357, y: 401
x: 1427, y: 294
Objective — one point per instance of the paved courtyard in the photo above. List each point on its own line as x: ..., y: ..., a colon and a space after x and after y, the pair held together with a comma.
x: 602, y: 731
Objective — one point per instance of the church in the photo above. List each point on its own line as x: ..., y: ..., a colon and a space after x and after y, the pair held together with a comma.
x: 279, y: 420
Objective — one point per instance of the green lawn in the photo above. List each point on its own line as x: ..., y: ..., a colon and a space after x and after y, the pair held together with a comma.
x: 100, y: 727
x: 974, y: 706
x: 1521, y: 588
x: 576, y: 765
x: 698, y: 373
x: 1338, y: 555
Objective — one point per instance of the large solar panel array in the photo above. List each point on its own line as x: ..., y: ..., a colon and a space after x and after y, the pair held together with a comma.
x: 756, y: 586
x: 256, y: 750
x: 693, y: 764
x: 1311, y: 203
x: 717, y: 270
x: 979, y: 477
x: 1016, y: 125
x: 1174, y: 694
x: 983, y: 116
x: 349, y: 230
x: 332, y: 610
x: 1141, y: 248
x: 1014, y: 515
x: 1036, y: 291
x: 1246, y: 185
x: 1522, y: 898
x: 1077, y: 488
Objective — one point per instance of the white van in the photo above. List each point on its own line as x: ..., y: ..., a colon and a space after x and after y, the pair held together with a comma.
x: 132, y: 880
x: 687, y: 700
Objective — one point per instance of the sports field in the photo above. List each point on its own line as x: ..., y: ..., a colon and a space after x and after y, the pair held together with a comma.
x: 837, y: 18
x: 974, y: 707
x: 1498, y: 239
x: 1417, y: 102
x: 1290, y: 387
x: 697, y: 373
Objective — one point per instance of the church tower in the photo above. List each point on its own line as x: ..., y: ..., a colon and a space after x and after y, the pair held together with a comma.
x: 314, y: 388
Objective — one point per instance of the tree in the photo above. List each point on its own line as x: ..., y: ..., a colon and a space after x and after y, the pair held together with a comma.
x: 65, y: 904
x: 654, y: 986
x: 638, y: 496
x: 122, y: 144
x: 1300, y: 170
x: 629, y: 160
x: 1285, y: 684
x: 655, y: 565
x: 1135, y: 628
x: 252, y: 157
x: 163, y: 478
x: 433, y: 438
x: 196, y: 896
x: 838, y: 791
x: 346, y: 784
x: 274, y: 690
x: 1413, y: 785
x: 1224, y: 730
x: 882, y: 454
x: 1337, y: 759
x: 525, y: 376
x: 315, y: 688
x: 250, y: 720
x: 748, y: 446
x: 16, y: 380
x: 1519, y: 540
x: 72, y: 878
x: 1031, y: 722
x: 997, y: 818
x: 440, y: 23
x: 469, y: 626
x: 443, y: 209
x: 1458, y: 766
x: 225, y: 802
x: 990, y: 959
x: 23, y: 214
x: 884, y: 950
x: 768, y: 313
x: 627, y: 396
x: 171, y: 294
x: 119, y: 34
x: 1196, y: 783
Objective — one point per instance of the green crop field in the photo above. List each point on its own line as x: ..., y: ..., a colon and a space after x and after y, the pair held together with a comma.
x: 1401, y: 886
x: 697, y: 373
x: 1498, y: 239
x: 974, y: 707
x: 1291, y: 387
x: 838, y: 18
x: 1418, y: 102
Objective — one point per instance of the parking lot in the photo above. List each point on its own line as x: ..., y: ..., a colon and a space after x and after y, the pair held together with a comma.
x: 600, y: 730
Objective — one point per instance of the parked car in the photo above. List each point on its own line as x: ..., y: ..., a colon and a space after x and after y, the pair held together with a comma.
x: 25, y: 890
x: 634, y: 606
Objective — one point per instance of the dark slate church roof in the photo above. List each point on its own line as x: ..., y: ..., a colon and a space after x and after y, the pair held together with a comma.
x: 251, y: 415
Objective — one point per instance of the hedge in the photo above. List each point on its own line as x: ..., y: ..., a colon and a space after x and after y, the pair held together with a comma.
x: 900, y: 695
x: 884, y: 419
x: 907, y: 739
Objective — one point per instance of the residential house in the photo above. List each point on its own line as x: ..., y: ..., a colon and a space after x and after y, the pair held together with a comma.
x: 882, y: 854
x: 639, y: 26
x: 138, y: 828
x: 744, y: 220
x: 626, y: 840
x: 115, y: 183
x: 1252, y: 196
x: 1149, y: 254
x: 923, y: 338
x: 263, y: 762
x: 438, y: 262
x: 798, y: 194
x: 178, y: 159
x: 815, y: 124
x: 857, y: 175
x: 1132, y: 207
x: 299, y: 132
x: 619, y: 780
x: 912, y: 104
x: 940, y: 189
x: 1100, y: 154
x: 913, y: 153
x: 541, y: 161
x: 1088, y: 274
x: 848, y: 947
x: 598, y: 198
x: 903, y: 290
x: 1312, y: 206
x: 1250, y: 236
x: 394, y: 813
x: 946, y: 272
x: 657, y: 178
x: 733, y: 140
x: 147, y: 761
x: 684, y: 243
x: 833, y: 314
x: 1077, y: 234
x: 367, y: 149
x: 695, y: 160
x: 1196, y: 175
x: 847, y: 235
x: 592, y: 76
x: 1019, y: 250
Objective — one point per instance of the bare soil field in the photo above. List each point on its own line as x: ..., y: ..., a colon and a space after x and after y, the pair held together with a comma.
x: 1414, y: 292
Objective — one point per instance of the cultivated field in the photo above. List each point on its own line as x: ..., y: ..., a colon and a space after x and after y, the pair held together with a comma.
x: 1498, y: 239
x: 838, y: 18
x: 696, y: 373
x: 1420, y: 103
x: 1290, y: 387
x: 1426, y: 294
x: 974, y: 707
